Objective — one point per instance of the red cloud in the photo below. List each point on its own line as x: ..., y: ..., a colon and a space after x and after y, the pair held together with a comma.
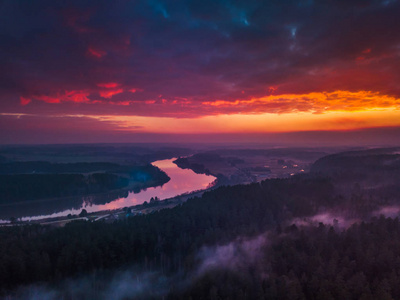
x: 366, y: 51
x: 77, y: 96
x: 75, y: 19
x: 134, y: 90
x: 96, y: 52
x: 48, y: 99
x: 68, y: 96
x: 24, y: 101
x: 110, y: 93
x: 108, y: 85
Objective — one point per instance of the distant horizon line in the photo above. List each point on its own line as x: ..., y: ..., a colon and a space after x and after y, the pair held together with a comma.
x: 369, y: 137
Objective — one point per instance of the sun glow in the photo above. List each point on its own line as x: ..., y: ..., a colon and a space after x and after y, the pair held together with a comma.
x: 339, y: 110
x: 266, y: 122
x: 316, y: 102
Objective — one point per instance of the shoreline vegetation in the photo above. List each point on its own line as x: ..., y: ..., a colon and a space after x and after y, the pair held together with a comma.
x: 142, y: 181
x: 22, y: 188
x: 110, y: 215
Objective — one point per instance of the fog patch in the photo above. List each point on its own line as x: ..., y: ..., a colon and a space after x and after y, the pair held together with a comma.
x: 122, y: 285
x: 240, y: 253
x: 391, y: 211
x: 338, y: 221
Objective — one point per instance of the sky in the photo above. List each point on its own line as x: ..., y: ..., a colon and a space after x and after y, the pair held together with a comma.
x: 205, y: 70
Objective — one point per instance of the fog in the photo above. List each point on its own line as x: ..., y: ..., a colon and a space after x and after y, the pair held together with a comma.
x: 240, y: 253
x: 335, y: 219
x: 121, y: 285
x: 134, y: 284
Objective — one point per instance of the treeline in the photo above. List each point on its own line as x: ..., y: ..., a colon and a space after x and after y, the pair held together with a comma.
x: 198, y: 168
x: 24, y: 187
x: 29, y: 187
x: 29, y: 167
x: 141, y: 177
x: 372, y: 175
x: 369, y: 167
x: 121, y: 153
x: 363, y: 262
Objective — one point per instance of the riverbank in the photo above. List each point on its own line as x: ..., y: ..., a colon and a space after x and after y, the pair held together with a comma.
x: 181, y: 182
x: 114, y: 214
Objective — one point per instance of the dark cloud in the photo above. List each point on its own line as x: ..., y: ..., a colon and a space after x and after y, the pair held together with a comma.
x: 168, y: 58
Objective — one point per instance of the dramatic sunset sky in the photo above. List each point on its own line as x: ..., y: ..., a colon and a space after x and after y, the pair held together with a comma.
x: 158, y: 70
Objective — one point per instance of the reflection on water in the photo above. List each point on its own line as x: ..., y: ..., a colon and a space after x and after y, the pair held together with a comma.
x: 182, y: 181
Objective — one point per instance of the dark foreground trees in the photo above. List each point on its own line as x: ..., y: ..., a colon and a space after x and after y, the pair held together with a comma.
x: 30, y: 187
x: 362, y: 262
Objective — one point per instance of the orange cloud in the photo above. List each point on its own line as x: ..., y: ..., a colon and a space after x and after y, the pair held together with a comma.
x: 271, y: 89
x: 260, y: 123
x: 318, y: 102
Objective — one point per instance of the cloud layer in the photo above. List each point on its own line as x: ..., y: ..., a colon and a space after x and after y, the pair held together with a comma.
x: 189, y: 59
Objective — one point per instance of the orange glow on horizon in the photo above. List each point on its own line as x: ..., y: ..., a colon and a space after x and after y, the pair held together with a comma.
x: 316, y: 102
x: 339, y: 110
x: 255, y: 123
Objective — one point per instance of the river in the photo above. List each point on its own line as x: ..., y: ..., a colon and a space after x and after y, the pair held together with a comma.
x: 182, y: 181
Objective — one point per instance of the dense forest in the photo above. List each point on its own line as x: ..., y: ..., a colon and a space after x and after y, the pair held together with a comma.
x: 25, y: 187
x: 235, y: 242
x: 40, y: 167
x: 362, y: 262
x: 198, y: 168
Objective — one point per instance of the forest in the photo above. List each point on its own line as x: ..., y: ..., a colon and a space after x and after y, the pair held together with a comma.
x: 362, y: 262
x: 272, y: 255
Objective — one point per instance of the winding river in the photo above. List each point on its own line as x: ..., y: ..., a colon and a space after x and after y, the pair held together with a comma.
x: 182, y: 181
